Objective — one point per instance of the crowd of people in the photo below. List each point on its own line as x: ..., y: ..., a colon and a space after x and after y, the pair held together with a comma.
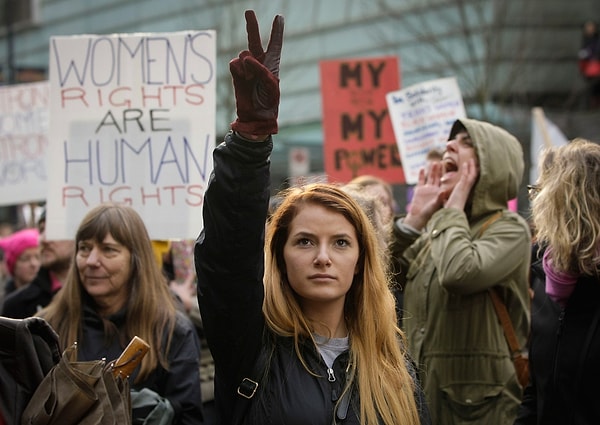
x: 327, y: 305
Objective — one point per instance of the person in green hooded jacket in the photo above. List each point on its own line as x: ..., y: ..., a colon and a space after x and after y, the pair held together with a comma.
x: 456, y: 243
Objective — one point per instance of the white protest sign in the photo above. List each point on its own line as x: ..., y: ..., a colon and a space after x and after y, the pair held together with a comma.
x: 23, y: 143
x: 422, y: 116
x: 132, y: 121
x: 298, y: 161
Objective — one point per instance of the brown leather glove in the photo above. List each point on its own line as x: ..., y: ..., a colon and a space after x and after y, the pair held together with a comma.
x: 255, y: 75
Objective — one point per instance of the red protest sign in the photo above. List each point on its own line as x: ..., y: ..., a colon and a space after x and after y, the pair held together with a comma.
x: 358, y: 134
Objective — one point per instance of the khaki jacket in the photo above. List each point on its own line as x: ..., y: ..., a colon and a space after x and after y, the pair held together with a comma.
x: 452, y: 328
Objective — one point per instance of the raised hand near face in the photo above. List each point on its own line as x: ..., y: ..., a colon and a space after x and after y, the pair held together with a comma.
x: 255, y: 74
x: 428, y: 197
x: 460, y: 194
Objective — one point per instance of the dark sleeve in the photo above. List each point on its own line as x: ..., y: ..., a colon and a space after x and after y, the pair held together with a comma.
x: 182, y: 381
x: 23, y: 302
x: 28, y: 300
x: 10, y: 307
x: 229, y: 259
x: 527, y: 413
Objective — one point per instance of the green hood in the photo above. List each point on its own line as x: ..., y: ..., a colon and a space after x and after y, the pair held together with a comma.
x: 500, y: 163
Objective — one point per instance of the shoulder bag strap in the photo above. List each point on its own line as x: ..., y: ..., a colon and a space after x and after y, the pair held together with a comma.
x: 489, y: 222
x: 501, y: 312
x: 499, y: 306
x: 249, y: 385
x: 509, y: 331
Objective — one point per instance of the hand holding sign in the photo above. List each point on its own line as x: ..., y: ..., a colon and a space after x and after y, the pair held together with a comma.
x: 256, y: 80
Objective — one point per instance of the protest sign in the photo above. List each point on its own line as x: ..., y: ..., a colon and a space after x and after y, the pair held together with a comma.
x: 358, y: 133
x: 23, y: 143
x: 422, y: 116
x: 544, y: 134
x: 299, y: 161
x: 132, y: 120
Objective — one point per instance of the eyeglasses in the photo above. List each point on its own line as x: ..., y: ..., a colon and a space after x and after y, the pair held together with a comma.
x: 533, y: 190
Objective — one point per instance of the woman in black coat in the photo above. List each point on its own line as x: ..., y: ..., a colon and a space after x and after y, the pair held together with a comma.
x: 565, y: 336
x: 301, y: 322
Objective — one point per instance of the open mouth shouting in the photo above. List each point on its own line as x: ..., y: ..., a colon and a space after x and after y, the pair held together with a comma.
x: 450, y: 169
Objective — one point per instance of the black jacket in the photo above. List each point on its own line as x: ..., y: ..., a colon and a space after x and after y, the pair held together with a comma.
x: 29, y: 349
x: 180, y: 384
x: 27, y: 301
x: 230, y: 265
x: 564, y: 356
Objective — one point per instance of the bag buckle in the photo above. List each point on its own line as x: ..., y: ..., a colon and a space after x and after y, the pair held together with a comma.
x: 247, y: 388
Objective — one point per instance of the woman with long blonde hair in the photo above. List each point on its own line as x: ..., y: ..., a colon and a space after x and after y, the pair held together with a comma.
x: 377, y: 363
x: 301, y: 323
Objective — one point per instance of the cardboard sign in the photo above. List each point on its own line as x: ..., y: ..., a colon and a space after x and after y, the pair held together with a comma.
x: 358, y: 134
x: 132, y: 120
x: 23, y: 143
x: 422, y: 116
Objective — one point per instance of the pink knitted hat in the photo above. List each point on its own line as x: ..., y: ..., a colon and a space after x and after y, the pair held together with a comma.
x: 14, y: 245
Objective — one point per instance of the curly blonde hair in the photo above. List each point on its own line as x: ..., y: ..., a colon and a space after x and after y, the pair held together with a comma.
x: 566, y: 210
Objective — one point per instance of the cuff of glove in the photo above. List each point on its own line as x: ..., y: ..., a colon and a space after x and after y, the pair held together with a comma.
x: 254, y: 139
x: 255, y: 127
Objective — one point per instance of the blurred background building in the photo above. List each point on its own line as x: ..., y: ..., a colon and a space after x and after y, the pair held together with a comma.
x: 507, y: 55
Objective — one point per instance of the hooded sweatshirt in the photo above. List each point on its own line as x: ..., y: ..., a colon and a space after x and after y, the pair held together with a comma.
x: 452, y: 328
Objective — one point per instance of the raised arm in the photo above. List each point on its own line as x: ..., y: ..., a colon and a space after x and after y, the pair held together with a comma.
x: 229, y: 253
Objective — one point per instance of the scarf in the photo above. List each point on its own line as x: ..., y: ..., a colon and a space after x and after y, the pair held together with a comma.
x: 559, y: 285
